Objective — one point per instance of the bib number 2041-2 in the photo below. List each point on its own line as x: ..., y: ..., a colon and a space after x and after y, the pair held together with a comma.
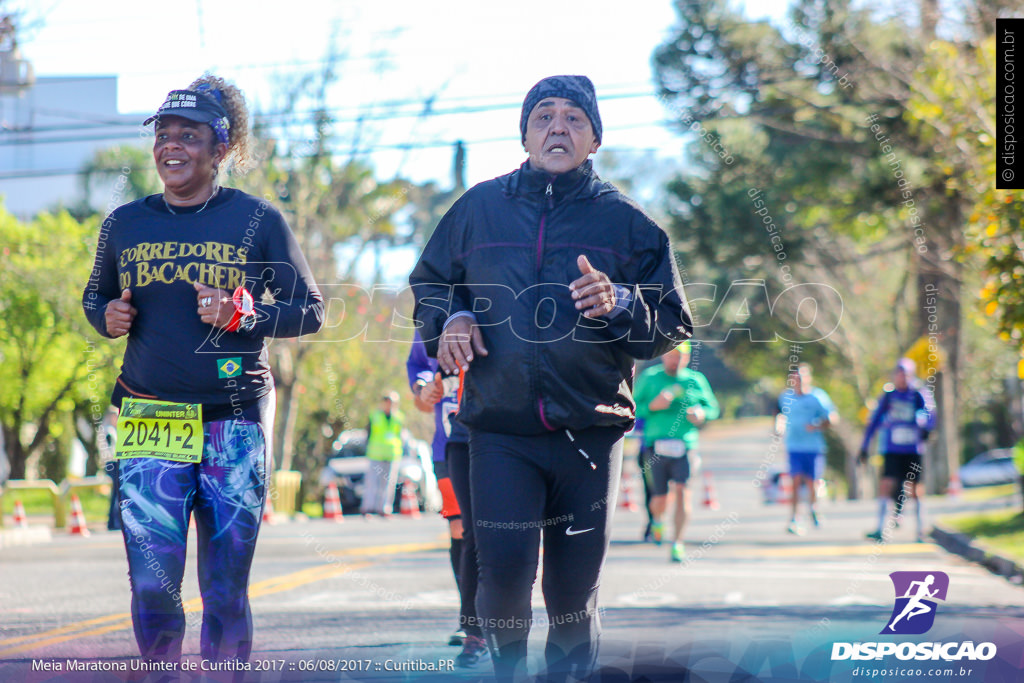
x: 160, y: 429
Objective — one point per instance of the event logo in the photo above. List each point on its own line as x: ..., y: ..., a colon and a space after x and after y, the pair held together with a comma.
x: 914, y: 614
x: 916, y: 593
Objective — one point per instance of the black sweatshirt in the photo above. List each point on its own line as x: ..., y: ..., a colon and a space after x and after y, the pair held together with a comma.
x: 172, y: 355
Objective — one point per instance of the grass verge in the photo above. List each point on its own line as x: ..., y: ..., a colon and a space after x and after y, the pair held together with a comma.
x: 1000, y: 531
x: 95, y: 505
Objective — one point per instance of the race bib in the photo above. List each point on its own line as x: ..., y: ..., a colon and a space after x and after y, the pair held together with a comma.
x: 903, y: 435
x: 160, y: 429
x: 670, y: 448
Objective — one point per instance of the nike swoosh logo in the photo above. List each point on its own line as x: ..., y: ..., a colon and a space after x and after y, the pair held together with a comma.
x: 570, y: 532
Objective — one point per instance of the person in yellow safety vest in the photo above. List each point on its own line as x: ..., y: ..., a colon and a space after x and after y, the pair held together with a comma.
x: 383, y: 452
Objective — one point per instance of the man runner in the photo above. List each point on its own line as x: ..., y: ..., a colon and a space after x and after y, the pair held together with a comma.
x: 544, y: 285
x: 674, y: 401
x: 805, y: 412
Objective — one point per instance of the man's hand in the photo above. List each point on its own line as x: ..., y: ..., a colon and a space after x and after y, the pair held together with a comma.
x: 458, y: 342
x: 119, y: 315
x: 664, y: 398
x: 820, y: 425
x: 594, y: 293
x: 432, y: 392
x: 215, y: 306
x: 696, y: 416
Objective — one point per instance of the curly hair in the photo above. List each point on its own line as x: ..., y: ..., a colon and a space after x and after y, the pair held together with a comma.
x: 240, y: 152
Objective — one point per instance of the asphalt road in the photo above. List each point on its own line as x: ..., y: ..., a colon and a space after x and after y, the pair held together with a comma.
x: 376, y: 601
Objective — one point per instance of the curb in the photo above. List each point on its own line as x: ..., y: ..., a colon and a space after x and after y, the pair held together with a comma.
x: 962, y: 545
x: 33, y: 535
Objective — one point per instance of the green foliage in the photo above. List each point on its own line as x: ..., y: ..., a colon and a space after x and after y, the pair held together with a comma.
x: 835, y: 116
x: 45, y: 342
x: 120, y: 174
x: 953, y: 107
x: 95, y: 503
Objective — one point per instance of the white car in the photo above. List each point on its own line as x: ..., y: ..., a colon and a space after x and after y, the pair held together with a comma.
x: 990, y: 468
x: 346, y: 466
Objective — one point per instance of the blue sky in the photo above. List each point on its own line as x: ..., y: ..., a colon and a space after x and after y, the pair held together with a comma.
x: 469, y: 55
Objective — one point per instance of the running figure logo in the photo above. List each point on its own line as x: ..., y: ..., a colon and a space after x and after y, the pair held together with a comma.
x: 916, y: 592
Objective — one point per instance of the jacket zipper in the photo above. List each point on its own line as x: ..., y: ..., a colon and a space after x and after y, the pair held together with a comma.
x: 549, y: 194
x: 550, y: 204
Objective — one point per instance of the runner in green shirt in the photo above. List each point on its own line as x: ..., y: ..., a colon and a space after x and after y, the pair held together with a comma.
x: 674, y: 402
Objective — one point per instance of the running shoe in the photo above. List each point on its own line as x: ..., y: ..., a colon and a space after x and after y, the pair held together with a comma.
x: 648, y: 534
x: 815, y: 520
x: 874, y: 535
x: 678, y: 552
x: 795, y: 528
x: 657, y: 531
x: 474, y: 652
x: 457, y: 638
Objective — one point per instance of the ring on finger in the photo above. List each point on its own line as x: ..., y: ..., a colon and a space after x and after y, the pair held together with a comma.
x: 206, y: 301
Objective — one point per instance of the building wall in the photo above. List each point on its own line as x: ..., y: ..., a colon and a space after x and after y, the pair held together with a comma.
x: 50, y: 130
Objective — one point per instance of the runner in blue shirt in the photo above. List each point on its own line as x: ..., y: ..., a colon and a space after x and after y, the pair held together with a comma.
x: 804, y: 412
x: 905, y: 414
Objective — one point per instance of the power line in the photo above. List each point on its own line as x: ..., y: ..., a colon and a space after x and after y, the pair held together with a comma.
x: 276, y: 118
x: 369, y: 149
x: 361, y: 150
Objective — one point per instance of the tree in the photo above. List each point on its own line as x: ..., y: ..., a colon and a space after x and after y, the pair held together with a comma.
x: 48, y: 351
x: 823, y: 114
x: 118, y: 175
x: 328, y: 203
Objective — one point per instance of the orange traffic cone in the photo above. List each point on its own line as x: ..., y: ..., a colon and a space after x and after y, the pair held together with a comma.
x: 268, y: 511
x: 78, y: 525
x: 410, y: 506
x: 626, y: 499
x: 332, y: 504
x: 20, y: 519
x: 710, y: 496
x: 955, y: 488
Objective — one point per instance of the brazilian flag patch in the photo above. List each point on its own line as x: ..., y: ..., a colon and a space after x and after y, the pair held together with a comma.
x: 229, y: 367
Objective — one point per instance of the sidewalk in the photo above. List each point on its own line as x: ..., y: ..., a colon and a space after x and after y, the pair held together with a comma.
x: 33, y: 535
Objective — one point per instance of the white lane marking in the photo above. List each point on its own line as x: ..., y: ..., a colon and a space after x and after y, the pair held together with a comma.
x: 645, y: 599
x: 847, y: 600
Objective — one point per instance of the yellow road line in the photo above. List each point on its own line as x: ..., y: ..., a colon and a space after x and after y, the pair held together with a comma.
x: 270, y: 586
x: 66, y: 629
x: 837, y: 550
x: 125, y: 623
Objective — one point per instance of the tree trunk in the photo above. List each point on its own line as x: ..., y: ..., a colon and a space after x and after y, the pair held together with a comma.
x: 284, y: 380
x: 858, y: 478
x: 16, y: 455
x: 939, y: 318
x: 87, y: 433
x: 290, y: 408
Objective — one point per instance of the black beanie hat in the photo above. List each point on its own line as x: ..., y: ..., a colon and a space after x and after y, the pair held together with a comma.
x: 579, y: 89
